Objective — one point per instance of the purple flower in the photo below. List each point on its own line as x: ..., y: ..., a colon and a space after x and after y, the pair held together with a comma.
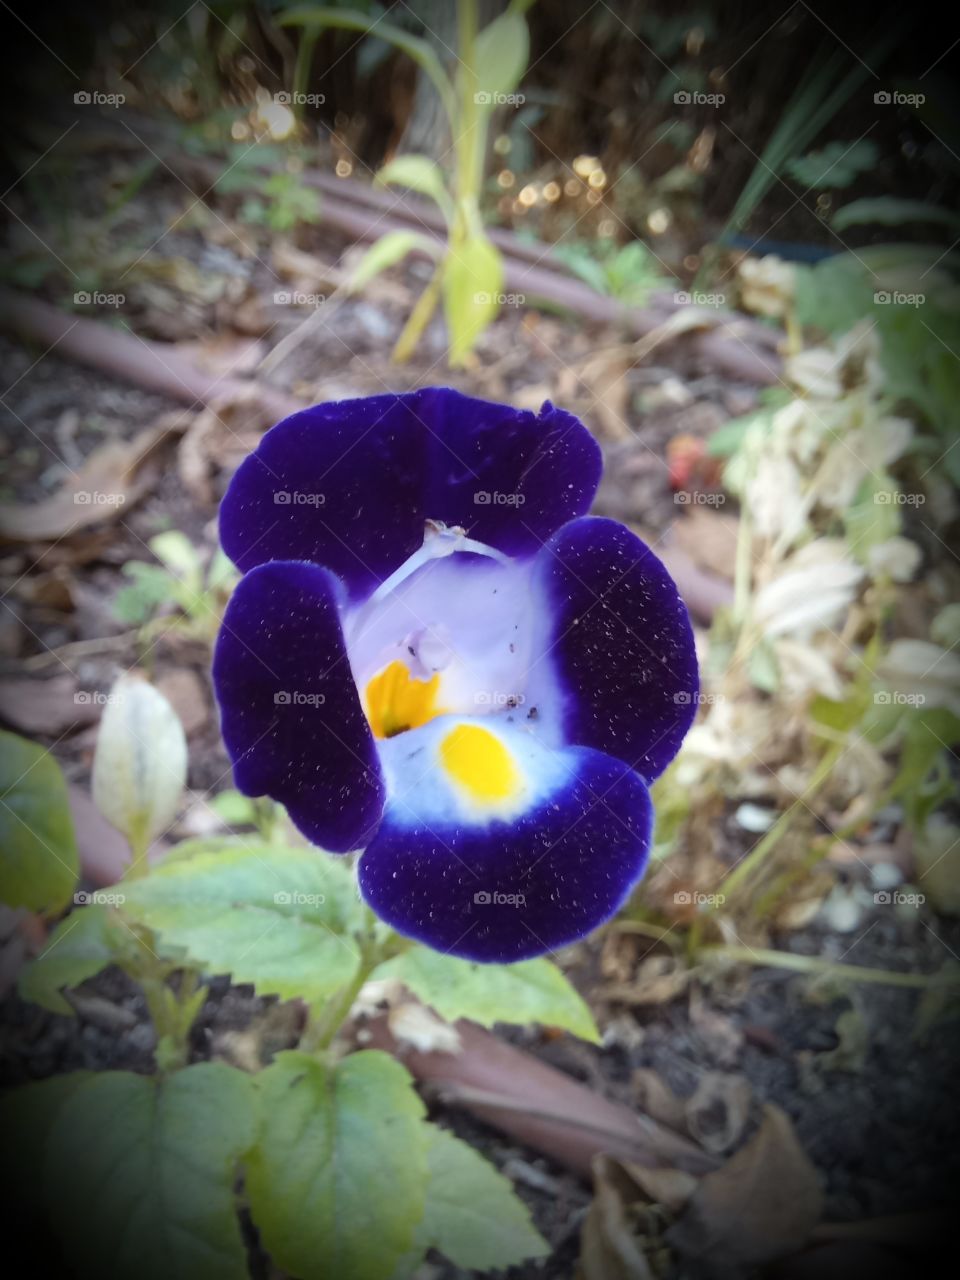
x: 435, y: 657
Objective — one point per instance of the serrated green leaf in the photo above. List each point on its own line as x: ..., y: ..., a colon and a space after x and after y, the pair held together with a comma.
x: 472, y: 1214
x: 387, y: 252
x: 140, y: 1173
x: 418, y: 173
x: 502, y: 52
x: 38, y: 852
x: 337, y: 1180
x: 78, y: 947
x: 528, y: 991
x: 276, y: 917
x: 472, y: 285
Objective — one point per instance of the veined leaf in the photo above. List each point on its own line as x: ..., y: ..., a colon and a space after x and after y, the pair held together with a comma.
x: 337, y: 1179
x: 38, y: 852
x: 27, y: 1118
x: 140, y: 1170
x: 278, y: 918
x: 472, y: 1214
x: 528, y: 991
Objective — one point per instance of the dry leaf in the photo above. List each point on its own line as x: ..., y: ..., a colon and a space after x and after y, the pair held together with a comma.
x: 719, y: 1033
x: 659, y: 979
x: 717, y: 1113
x: 761, y: 1205
x: 112, y: 479
x: 609, y: 1249
x: 658, y: 1100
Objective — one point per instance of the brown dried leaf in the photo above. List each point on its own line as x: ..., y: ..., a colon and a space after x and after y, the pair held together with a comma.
x: 717, y: 1112
x: 719, y: 1033
x: 112, y: 479
x: 609, y: 1249
x: 658, y: 1100
x: 761, y: 1205
x: 658, y: 980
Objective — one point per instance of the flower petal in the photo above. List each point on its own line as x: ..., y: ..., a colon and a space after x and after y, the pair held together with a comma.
x: 350, y: 484
x: 619, y: 645
x: 290, y: 714
x: 534, y: 851
x: 340, y: 484
x: 508, y: 476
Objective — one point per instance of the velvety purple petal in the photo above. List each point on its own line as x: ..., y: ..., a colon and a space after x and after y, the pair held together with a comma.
x: 290, y: 714
x: 350, y: 484
x: 507, y: 890
x: 510, y: 477
x: 619, y: 646
x: 340, y: 484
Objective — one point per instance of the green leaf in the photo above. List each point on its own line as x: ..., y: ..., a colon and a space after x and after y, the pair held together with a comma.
x: 472, y: 1214
x: 140, y: 762
x: 236, y: 809
x: 278, y: 918
x: 890, y: 211
x: 27, y: 1118
x: 80, y: 946
x: 337, y: 1180
x: 387, y: 252
x: 500, y: 59
x: 177, y: 553
x: 528, y: 991
x: 836, y: 165
x: 150, y: 586
x: 419, y: 174
x: 472, y: 284
x: 140, y: 1173
x: 38, y: 852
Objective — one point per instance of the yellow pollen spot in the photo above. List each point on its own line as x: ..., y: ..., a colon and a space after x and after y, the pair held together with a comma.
x: 397, y: 702
x: 479, y: 761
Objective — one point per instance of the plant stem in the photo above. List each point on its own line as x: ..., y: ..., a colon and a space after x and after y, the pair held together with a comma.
x: 745, y: 868
x: 815, y: 965
x: 419, y: 318
x: 321, y: 1030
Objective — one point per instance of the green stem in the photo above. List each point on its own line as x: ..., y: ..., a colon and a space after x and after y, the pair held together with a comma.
x: 419, y: 318
x: 815, y: 965
x: 322, y: 1028
x: 746, y: 867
